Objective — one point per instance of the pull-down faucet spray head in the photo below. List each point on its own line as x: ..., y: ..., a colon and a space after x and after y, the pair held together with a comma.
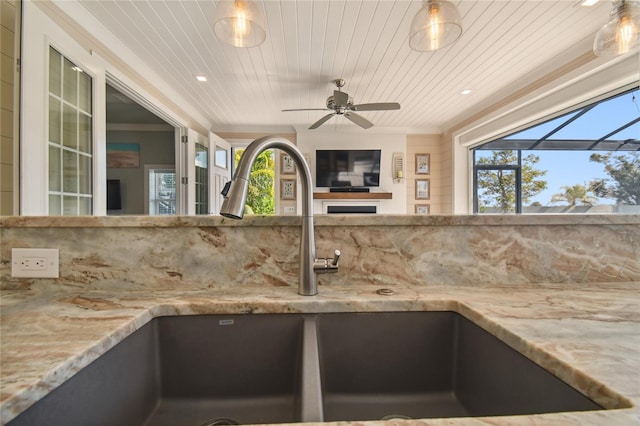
x: 234, y: 202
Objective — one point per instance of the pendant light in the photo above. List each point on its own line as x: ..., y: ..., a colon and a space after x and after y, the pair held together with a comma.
x: 622, y: 33
x: 436, y: 25
x: 239, y: 23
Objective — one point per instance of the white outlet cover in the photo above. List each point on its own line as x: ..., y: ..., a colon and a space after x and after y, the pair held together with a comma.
x: 51, y: 268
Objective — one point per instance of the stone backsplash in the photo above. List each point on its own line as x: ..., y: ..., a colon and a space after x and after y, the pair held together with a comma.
x: 188, y: 253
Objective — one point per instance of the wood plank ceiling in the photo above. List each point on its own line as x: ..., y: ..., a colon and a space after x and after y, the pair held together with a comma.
x: 311, y: 42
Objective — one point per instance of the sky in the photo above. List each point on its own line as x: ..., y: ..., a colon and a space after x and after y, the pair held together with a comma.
x: 568, y: 168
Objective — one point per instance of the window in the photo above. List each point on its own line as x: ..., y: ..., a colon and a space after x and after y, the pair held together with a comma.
x: 587, y: 160
x: 161, y: 190
x: 70, y: 138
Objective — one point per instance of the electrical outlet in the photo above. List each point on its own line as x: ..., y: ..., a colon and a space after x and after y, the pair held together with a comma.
x: 289, y: 210
x: 35, y: 263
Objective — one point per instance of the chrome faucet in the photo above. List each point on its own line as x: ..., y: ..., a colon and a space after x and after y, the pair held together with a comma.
x: 235, y: 198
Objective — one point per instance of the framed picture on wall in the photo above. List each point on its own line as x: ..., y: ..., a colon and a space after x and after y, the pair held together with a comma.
x: 423, y: 166
x: 287, y: 166
x: 123, y: 155
x: 422, y: 189
x: 422, y: 208
x: 287, y: 189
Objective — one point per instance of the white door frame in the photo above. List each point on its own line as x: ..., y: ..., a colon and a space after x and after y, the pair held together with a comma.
x: 221, y: 174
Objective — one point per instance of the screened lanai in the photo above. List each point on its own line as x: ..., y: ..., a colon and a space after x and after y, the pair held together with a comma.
x: 586, y: 160
x: 612, y: 124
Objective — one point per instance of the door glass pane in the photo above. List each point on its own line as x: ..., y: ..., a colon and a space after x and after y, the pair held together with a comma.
x: 202, y: 179
x: 55, y: 78
x: 70, y: 168
x: 221, y: 158
x: 84, y: 133
x: 84, y: 174
x: 55, y: 120
x: 70, y: 82
x: 55, y: 205
x: 496, y: 191
x: 70, y: 205
x: 55, y: 169
x: 84, y: 92
x: 70, y: 127
x: 84, y: 206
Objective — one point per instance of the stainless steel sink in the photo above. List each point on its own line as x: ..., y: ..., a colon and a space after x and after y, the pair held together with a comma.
x: 279, y: 368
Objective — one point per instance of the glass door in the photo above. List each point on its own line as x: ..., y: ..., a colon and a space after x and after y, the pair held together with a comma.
x: 70, y: 138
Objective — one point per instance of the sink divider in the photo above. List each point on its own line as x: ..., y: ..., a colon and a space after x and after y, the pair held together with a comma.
x: 311, y: 404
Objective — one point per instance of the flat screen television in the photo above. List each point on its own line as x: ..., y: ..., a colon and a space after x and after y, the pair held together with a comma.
x: 347, y: 168
x: 114, y: 199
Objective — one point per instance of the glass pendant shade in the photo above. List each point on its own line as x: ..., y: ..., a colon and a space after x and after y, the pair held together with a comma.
x: 239, y: 23
x: 436, y: 25
x: 622, y: 33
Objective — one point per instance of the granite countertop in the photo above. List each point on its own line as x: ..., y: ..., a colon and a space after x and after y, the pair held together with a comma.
x: 320, y: 220
x: 588, y: 334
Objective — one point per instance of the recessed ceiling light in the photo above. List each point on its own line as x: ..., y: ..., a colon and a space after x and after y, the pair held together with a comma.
x: 588, y: 2
x: 201, y: 78
x: 465, y: 92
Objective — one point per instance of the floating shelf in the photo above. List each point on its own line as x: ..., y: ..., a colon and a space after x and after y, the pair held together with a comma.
x: 352, y: 195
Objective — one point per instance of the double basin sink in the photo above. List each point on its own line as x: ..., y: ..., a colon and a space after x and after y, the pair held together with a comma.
x: 280, y: 368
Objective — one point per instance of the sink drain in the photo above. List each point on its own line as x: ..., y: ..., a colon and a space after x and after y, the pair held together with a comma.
x: 220, y: 422
x: 396, y: 417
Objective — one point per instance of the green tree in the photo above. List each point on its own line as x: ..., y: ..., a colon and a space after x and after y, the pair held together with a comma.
x: 497, y: 188
x: 261, y: 193
x: 624, y: 182
x: 576, y: 194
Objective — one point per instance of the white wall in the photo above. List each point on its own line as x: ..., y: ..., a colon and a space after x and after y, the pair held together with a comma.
x: 389, y: 143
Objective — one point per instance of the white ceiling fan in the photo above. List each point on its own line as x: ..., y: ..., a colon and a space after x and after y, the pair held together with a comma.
x: 342, y: 104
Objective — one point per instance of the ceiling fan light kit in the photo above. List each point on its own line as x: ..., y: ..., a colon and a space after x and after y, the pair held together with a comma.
x: 622, y: 33
x: 436, y: 25
x: 239, y: 23
x: 340, y: 103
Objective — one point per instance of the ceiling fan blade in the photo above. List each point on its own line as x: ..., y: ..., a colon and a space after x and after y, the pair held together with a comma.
x: 340, y: 98
x: 359, y: 120
x: 381, y: 106
x: 305, y: 109
x: 321, y: 121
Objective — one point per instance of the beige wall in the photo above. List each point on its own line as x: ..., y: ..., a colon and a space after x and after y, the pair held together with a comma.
x: 432, y: 145
x: 10, y: 27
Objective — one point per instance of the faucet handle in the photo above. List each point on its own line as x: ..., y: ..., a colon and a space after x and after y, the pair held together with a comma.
x: 336, y: 257
x: 326, y: 266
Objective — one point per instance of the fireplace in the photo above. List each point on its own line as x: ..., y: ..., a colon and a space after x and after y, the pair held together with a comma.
x: 350, y: 208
